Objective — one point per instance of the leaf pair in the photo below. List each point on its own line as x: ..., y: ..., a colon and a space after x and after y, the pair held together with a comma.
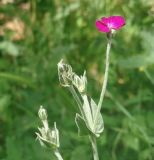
x: 91, y: 117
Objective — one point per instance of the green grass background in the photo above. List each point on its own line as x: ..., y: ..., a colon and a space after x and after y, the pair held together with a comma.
x: 55, y: 29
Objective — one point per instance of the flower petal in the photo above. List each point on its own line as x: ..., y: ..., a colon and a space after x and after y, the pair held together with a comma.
x: 114, y: 22
x: 102, y: 27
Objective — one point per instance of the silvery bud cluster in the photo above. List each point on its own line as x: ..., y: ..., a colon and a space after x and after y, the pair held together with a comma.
x: 47, y: 136
x: 67, y: 77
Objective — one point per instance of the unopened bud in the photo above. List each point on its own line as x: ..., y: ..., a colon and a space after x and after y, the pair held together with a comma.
x: 42, y: 113
x: 80, y: 83
x: 65, y: 74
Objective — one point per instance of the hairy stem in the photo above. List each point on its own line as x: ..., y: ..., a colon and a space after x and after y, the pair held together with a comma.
x: 76, y: 97
x: 57, y: 154
x: 94, y: 147
x: 106, y: 71
x: 105, y: 77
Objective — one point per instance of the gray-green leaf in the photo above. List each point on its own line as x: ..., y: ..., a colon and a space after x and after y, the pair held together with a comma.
x: 93, y: 120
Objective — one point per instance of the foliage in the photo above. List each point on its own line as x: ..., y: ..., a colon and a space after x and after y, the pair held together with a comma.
x: 35, y: 35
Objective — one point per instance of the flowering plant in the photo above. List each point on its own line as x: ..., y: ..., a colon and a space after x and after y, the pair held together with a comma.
x: 89, y: 121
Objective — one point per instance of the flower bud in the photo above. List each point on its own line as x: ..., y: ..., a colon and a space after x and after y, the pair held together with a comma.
x: 42, y: 113
x: 80, y: 83
x: 65, y: 74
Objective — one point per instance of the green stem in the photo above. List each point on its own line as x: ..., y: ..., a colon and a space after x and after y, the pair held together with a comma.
x: 105, y: 77
x: 106, y: 71
x: 57, y: 154
x: 94, y: 147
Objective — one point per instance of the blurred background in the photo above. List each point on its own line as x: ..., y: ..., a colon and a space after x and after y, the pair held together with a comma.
x: 35, y: 35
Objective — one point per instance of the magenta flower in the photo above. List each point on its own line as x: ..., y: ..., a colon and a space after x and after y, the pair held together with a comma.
x: 106, y: 24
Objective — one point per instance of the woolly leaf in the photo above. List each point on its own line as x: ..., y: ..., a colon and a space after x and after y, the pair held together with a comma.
x: 93, y: 120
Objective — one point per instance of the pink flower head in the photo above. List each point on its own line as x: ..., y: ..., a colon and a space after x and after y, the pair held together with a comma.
x: 106, y: 24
